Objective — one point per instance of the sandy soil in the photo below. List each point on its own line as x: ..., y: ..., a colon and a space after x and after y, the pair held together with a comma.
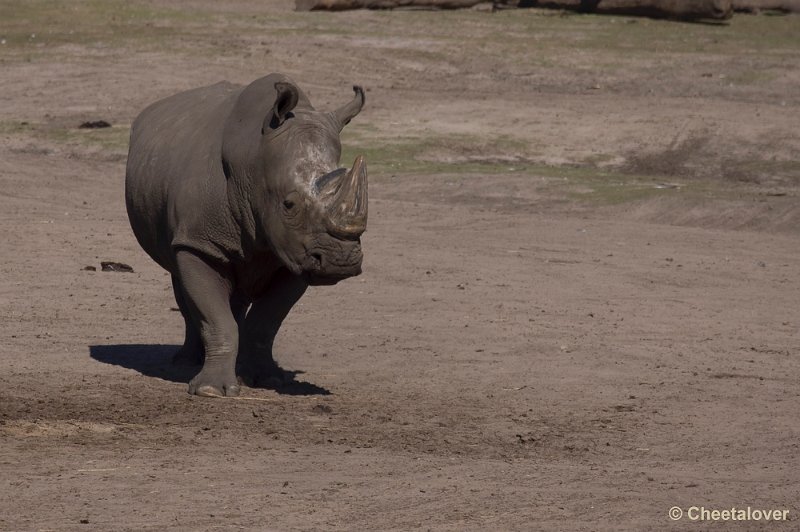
x: 579, y: 305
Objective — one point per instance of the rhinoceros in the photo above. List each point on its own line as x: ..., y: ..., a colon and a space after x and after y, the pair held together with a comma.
x: 237, y: 192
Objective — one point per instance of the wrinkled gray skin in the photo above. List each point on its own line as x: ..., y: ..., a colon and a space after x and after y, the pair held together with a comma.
x: 236, y: 191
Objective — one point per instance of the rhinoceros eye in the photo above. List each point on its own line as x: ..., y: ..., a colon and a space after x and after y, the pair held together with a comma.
x: 292, y: 203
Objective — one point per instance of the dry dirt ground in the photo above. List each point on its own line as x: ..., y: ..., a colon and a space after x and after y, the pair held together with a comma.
x: 579, y: 305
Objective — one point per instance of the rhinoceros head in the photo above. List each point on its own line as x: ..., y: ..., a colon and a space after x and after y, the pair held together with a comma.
x: 315, y: 212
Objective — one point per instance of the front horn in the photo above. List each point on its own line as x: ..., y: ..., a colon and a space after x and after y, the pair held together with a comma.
x: 347, y: 207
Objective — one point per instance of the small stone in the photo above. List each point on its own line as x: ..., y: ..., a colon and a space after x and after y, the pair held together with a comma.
x: 110, y: 266
x: 94, y: 124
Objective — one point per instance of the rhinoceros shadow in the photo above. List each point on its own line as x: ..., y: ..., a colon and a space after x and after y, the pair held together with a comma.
x: 155, y: 360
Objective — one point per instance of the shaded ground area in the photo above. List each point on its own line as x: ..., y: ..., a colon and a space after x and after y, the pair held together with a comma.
x: 579, y: 301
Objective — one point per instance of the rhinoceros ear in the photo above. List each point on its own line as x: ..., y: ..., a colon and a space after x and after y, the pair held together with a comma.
x: 347, y: 112
x: 285, y: 101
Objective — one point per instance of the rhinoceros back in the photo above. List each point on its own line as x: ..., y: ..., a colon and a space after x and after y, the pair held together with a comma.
x: 175, y: 189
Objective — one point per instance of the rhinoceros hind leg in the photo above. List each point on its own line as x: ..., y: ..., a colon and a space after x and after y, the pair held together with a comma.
x: 262, y: 374
x: 191, y: 352
x: 207, y: 296
x: 257, y: 367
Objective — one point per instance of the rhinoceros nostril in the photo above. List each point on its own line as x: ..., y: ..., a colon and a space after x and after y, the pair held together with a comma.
x: 317, y: 257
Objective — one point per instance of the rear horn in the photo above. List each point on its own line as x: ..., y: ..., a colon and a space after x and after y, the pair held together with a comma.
x: 347, y: 112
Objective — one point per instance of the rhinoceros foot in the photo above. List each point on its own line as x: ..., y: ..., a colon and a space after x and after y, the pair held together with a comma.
x: 262, y: 374
x: 215, y: 383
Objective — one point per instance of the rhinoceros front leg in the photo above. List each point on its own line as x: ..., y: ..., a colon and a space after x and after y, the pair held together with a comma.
x: 257, y: 367
x: 207, y: 295
x: 191, y: 352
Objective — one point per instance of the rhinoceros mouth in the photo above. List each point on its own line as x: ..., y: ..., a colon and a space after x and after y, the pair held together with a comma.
x: 329, y: 274
x: 329, y: 266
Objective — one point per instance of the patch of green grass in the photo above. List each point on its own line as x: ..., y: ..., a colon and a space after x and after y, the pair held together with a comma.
x: 14, y: 127
x: 621, y: 189
x: 112, y: 139
x: 605, y: 187
x: 598, y: 159
x: 763, y: 171
x: 33, y: 25
x: 432, y: 155
x: 751, y: 77
x: 585, y: 183
x: 395, y: 157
